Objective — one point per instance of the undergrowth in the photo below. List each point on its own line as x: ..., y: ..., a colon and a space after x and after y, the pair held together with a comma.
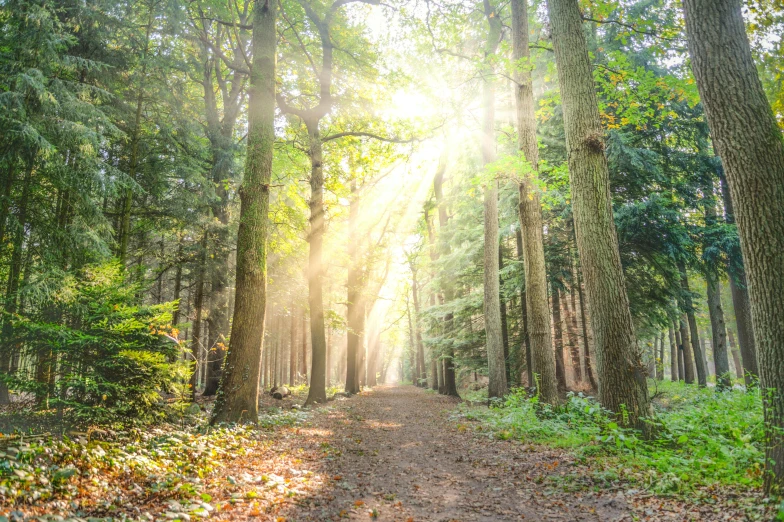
x: 166, y: 462
x: 704, y: 437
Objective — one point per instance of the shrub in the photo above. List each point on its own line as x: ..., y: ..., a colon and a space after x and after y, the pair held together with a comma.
x: 97, y: 356
x: 703, y: 437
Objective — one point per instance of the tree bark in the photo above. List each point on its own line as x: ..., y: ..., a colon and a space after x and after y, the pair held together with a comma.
x: 622, y: 383
x: 560, y: 370
x: 529, y: 368
x: 237, y: 397
x: 504, y: 322
x: 735, y: 355
x: 686, y: 351
x: 586, y: 337
x: 749, y: 142
x: 574, y: 344
x: 538, y: 333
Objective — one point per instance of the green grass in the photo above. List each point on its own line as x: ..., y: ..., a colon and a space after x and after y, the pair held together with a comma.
x: 704, y: 437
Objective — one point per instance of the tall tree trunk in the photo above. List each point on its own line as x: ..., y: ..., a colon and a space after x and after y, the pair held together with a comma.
x: 735, y: 355
x: 574, y: 344
x: 496, y: 367
x: 537, y: 306
x: 450, y: 380
x: 740, y: 300
x: 586, y: 337
x: 622, y: 383
x: 686, y: 352
x: 679, y: 340
x: 362, y: 354
x: 529, y: 368
x: 560, y: 370
x: 749, y: 142
x: 694, y: 335
x: 292, y: 345
x: 413, y: 360
x: 177, y: 283
x: 5, y: 202
x: 674, y: 373
x: 354, y: 308
x: 660, y: 361
x: 239, y: 385
x: 199, y: 330
x: 422, y: 376
x: 317, y: 392
x: 715, y: 310
x: 7, y: 347
x: 504, y: 322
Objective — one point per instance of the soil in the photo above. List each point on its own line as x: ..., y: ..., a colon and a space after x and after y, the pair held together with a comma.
x: 394, y: 454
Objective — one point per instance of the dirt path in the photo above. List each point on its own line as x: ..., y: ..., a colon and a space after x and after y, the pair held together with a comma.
x: 393, y: 454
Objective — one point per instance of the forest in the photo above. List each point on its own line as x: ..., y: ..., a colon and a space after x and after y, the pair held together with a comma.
x: 448, y: 260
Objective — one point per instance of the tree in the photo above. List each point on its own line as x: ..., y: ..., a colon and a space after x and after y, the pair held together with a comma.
x: 749, y: 143
x: 536, y: 305
x: 239, y: 387
x: 492, y: 307
x: 622, y: 384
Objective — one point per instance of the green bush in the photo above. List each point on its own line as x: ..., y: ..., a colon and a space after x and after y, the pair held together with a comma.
x: 703, y: 436
x: 97, y: 356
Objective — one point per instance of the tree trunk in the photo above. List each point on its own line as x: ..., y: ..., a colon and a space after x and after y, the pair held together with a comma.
x: 749, y: 142
x: 537, y: 306
x: 354, y: 308
x: 715, y: 310
x: 686, y: 351
x: 560, y: 370
x: 237, y: 397
x: 7, y: 347
x: 420, y: 348
x: 574, y: 344
x: 292, y: 346
x: 674, y: 372
x: 679, y: 340
x: 529, y: 368
x: 448, y: 372
x: 660, y: 360
x: 317, y: 392
x: 622, y: 383
x: 504, y: 322
x: 694, y: 335
x: 740, y: 301
x: 197, y: 341
x: 735, y: 355
x: 496, y: 367
x: 586, y: 336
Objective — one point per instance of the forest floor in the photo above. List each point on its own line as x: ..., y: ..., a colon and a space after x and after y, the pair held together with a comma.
x: 395, y: 453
